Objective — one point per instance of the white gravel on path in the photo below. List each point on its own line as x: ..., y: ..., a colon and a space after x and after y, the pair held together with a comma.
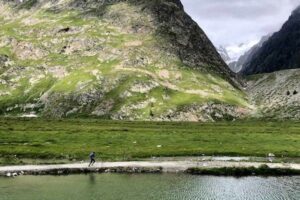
x: 167, y: 166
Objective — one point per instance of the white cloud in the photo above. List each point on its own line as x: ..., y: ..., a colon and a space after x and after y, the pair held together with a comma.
x: 232, y: 22
x: 235, y: 51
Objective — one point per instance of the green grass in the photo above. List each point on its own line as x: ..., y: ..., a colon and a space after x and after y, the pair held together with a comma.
x: 17, y: 95
x: 5, y: 51
x: 70, y: 83
x: 24, y: 140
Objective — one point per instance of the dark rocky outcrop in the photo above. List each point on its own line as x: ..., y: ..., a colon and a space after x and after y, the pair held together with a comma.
x: 3, y: 63
x: 188, y: 40
x: 3, y: 60
x: 281, y: 51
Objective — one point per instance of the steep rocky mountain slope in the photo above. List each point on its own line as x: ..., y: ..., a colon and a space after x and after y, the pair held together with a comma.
x: 244, y: 60
x: 277, y: 94
x: 281, y: 51
x: 124, y: 59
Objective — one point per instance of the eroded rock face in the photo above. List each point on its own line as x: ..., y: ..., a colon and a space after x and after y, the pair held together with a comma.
x: 61, y: 105
x: 191, y: 43
x: 209, y: 112
x: 124, y: 59
x: 3, y: 59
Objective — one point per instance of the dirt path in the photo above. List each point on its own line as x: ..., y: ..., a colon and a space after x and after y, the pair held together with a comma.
x: 166, y: 166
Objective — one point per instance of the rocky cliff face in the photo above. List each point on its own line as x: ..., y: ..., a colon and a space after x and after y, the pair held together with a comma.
x: 125, y: 59
x: 281, y: 51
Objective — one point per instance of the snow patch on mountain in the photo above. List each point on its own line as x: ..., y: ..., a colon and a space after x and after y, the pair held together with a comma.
x: 235, y: 51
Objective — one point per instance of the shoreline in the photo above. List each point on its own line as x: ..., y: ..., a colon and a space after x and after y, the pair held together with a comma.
x: 219, y: 168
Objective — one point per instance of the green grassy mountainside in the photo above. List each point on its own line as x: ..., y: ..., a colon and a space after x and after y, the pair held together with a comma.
x: 133, y: 60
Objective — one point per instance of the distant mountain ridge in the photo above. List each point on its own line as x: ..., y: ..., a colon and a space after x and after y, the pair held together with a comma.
x: 223, y: 53
x: 236, y: 55
x: 281, y: 51
x: 243, y: 60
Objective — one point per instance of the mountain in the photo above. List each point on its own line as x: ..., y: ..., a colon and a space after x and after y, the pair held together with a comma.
x: 277, y: 94
x: 223, y: 53
x: 238, y: 65
x: 225, y: 56
x: 123, y: 59
x: 231, y: 53
x: 281, y: 51
x: 234, y: 66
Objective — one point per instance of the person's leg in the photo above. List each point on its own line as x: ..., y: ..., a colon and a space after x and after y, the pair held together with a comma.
x: 93, y: 161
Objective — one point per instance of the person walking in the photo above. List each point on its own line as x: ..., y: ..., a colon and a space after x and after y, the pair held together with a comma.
x: 92, y: 158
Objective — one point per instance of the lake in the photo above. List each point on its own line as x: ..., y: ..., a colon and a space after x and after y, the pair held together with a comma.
x: 147, y: 187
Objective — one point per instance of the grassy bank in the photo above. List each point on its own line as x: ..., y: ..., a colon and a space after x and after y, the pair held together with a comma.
x: 28, y: 140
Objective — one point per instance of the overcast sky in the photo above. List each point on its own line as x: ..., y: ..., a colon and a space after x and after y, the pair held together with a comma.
x: 232, y: 22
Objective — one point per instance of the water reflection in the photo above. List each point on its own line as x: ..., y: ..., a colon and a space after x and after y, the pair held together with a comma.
x: 92, y: 179
x: 149, y: 187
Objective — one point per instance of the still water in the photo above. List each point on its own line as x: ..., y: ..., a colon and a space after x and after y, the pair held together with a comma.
x: 147, y: 187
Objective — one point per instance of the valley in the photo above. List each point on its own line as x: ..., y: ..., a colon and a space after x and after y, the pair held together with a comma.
x: 139, y: 80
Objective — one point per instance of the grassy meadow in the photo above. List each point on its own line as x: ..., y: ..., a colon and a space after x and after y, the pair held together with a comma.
x: 70, y: 140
